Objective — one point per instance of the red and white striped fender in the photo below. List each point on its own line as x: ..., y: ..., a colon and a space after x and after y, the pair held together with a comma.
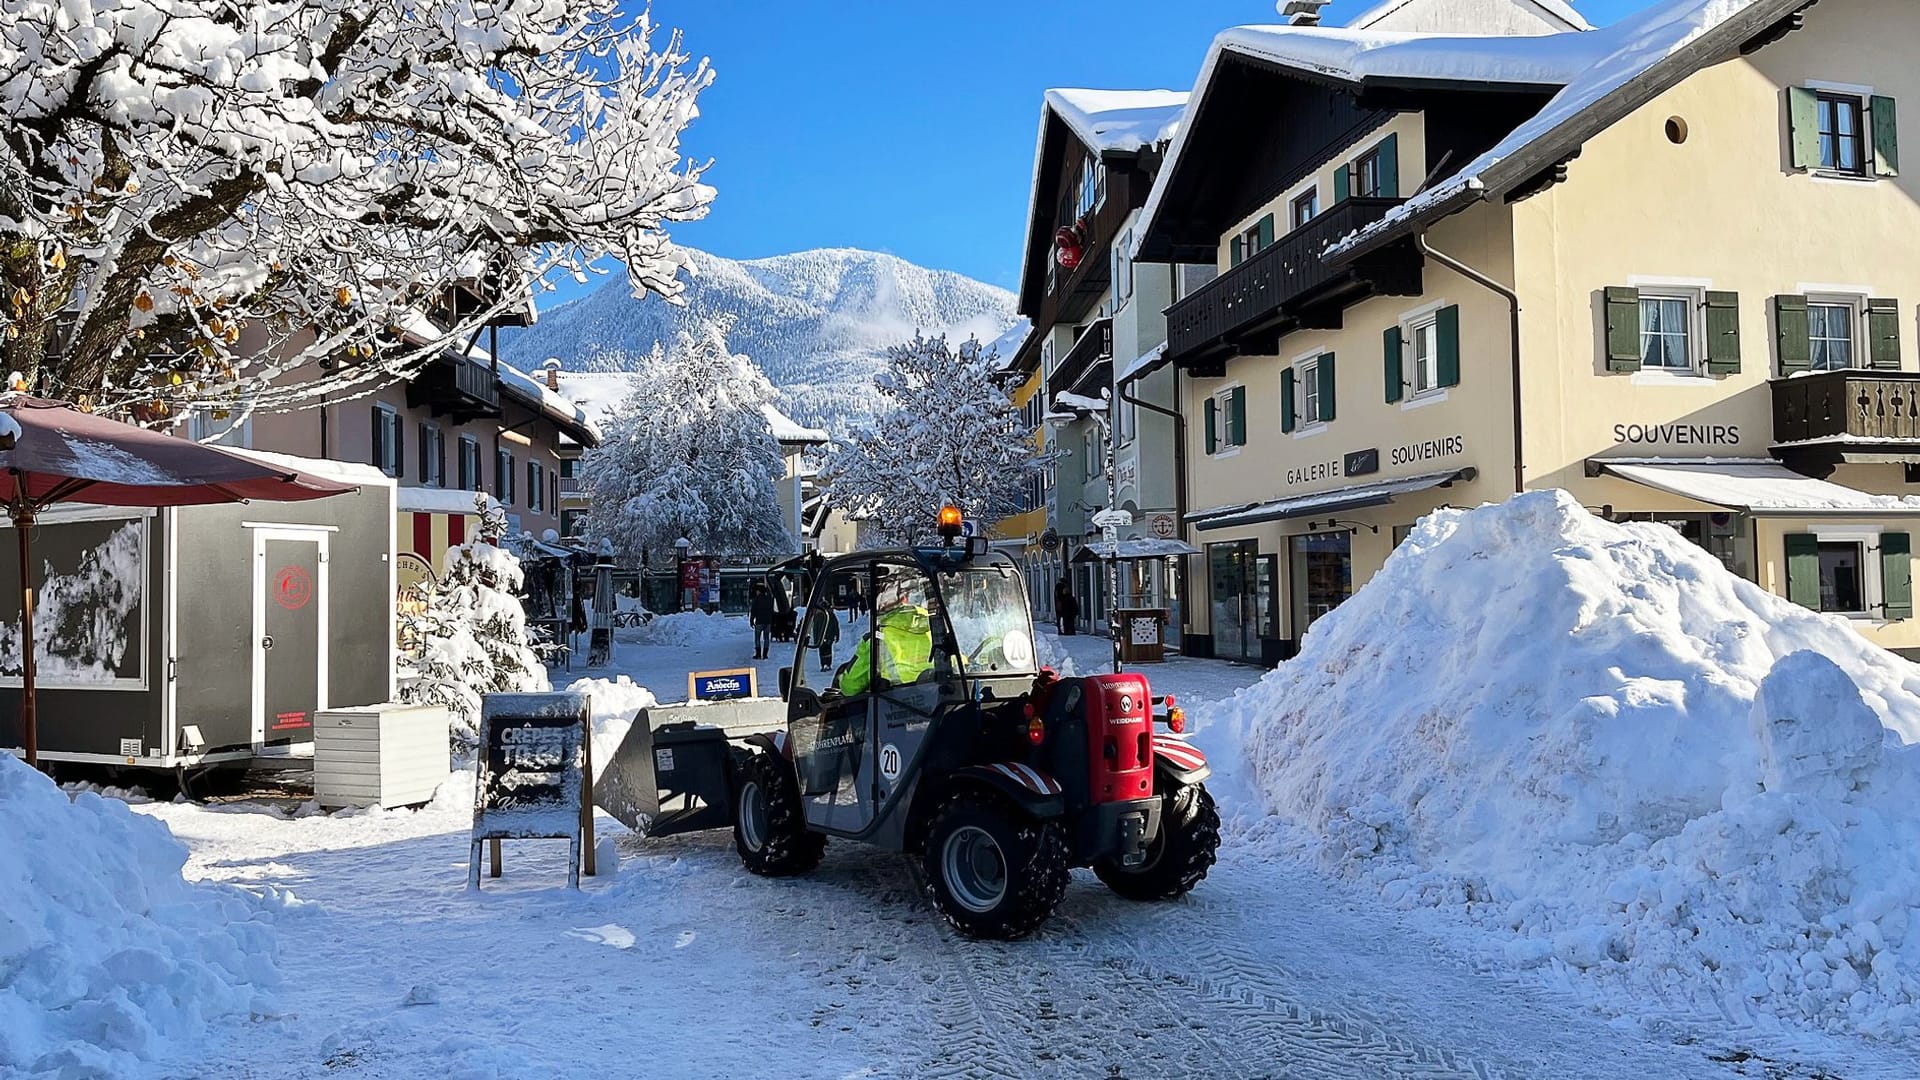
x: 1188, y: 762
x: 1028, y: 777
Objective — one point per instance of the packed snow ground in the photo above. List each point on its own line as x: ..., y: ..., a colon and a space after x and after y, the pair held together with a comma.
x: 678, y: 958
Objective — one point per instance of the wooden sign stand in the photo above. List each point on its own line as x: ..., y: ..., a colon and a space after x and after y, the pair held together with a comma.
x: 528, y: 743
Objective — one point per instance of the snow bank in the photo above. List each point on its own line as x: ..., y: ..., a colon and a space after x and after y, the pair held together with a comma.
x: 688, y: 629
x: 1052, y: 653
x: 108, y: 955
x: 616, y: 703
x: 1595, y: 737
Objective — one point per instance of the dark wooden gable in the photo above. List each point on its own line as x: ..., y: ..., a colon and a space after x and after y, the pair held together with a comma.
x: 1129, y: 177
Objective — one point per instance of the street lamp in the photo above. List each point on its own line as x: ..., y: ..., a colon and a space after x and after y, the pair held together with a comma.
x: 680, y: 549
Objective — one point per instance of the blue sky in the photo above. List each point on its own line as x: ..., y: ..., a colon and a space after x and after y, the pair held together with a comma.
x: 908, y: 127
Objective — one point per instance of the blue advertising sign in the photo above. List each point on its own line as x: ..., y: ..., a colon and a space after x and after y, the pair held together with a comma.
x: 722, y: 685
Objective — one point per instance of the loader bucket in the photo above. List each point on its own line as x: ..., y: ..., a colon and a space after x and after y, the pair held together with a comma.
x: 673, y: 773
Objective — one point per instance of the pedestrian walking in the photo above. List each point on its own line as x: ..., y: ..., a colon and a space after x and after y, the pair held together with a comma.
x: 855, y: 602
x: 823, y: 633
x: 1066, y: 608
x: 760, y: 612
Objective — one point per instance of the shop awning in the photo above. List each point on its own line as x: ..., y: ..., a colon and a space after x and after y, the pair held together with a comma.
x: 1759, y: 486
x: 1337, y: 501
x: 1153, y: 548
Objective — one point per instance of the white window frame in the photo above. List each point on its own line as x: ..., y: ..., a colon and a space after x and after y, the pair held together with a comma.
x: 1856, y: 307
x: 1868, y: 174
x: 1306, y: 373
x: 1372, y: 153
x: 389, y: 421
x: 1871, y: 593
x: 1123, y: 271
x: 433, y: 455
x: 1126, y: 421
x: 1222, y: 402
x: 1694, y: 292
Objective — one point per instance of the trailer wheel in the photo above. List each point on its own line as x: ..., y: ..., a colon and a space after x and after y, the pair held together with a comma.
x: 1179, y: 857
x: 993, y: 870
x: 769, y: 826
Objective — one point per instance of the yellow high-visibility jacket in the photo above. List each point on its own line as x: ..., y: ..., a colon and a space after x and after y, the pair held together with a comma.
x: 906, y: 650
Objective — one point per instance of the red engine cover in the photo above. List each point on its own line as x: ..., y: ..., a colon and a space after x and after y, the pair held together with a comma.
x: 1119, y: 712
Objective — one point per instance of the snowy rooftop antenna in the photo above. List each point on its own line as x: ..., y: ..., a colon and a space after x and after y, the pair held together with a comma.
x: 1301, y: 12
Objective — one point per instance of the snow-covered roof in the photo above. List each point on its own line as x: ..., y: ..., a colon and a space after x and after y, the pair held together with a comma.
x: 1066, y: 399
x: 1557, y: 10
x: 787, y: 430
x: 1107, y: 121
x: 1754, y: 485
x: 345, y: 472
x: 1007, y: 345
x: 1118, y: 120
x: 1151, y: 547
x: 1358, y: 55
x: 415, y: 326
x: 1142, y: 365
x: 1628, y: 64
x: 432, y: 500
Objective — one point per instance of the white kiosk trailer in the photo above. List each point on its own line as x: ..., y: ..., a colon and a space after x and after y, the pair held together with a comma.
x: 196, y: 636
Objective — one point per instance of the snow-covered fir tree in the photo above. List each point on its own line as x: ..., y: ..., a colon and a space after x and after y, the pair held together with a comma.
x: 469, y: 635
x: 689, y: 453
x: 200, y: 196
x: 945, y: 433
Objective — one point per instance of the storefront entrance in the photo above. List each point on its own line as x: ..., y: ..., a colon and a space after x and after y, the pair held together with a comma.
x: 1242, y: 599
x: 1322, y: 576
x: 1725, y: 535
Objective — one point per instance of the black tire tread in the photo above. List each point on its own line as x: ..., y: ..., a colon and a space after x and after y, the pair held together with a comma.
x: 1036, y: 852
x: 791, y: 848
x: 1190, y: 838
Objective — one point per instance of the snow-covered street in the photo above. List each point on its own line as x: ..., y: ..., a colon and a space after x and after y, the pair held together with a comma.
x: 681, y: 964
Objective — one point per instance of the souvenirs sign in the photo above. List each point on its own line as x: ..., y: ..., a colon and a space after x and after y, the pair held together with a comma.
x: 535, y: 779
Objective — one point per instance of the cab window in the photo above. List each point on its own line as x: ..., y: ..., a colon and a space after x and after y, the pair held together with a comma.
x: 992, y: 628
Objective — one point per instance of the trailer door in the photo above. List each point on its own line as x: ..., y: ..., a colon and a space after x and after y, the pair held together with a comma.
x: 290, y: 634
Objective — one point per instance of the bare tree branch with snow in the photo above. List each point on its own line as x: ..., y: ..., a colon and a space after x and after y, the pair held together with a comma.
x: 946, y: 433
x: 199, y: 196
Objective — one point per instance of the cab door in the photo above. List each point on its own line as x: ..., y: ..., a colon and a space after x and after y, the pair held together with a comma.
x: 831, y: 711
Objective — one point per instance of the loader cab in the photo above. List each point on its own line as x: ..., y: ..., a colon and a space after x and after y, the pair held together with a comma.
x: 944, y: 631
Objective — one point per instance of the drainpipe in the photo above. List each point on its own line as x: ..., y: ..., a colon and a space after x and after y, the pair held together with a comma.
x: 1513, y: 308
x: 1179, y: 473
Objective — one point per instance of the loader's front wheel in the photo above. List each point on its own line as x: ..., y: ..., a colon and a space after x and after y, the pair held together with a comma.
x: 994, y: 870
x: 769, y: 826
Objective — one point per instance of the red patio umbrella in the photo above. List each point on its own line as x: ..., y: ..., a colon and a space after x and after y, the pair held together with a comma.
x: 51, y: 452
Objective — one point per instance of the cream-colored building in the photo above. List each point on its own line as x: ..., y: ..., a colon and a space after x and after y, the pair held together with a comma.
x: 1668, y: 265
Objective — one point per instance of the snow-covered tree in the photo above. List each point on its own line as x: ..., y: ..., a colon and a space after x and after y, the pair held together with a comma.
x: 469, y: 634
x: 200, y: 196
x: 688, y: 453
x: 945, y: 433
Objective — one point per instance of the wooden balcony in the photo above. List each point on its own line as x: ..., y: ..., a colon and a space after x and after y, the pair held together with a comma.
x: 1856, y: 415
x: 457, y: 386
x: 1285, y: 287
x: 1090, y: 350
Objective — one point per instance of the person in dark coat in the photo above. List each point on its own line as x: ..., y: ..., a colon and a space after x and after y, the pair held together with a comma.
x: 823, y: 633
x: 1066, y: 607
x: 760, y: 614
x: 855, y: 601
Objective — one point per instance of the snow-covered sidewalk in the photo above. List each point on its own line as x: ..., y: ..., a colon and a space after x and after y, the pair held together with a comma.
x: 681, y: 964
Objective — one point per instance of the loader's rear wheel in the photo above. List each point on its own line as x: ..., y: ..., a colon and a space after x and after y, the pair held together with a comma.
x: 1177, y: 858
x: 769, y: 826
x: 994, y: 871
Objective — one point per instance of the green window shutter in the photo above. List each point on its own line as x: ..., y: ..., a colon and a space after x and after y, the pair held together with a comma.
x: 1266, y: 232
x: 1803, y: 569
x: 1234, y: 254
x: 1723, y: 333
x: 1287, y: 419
x: 1237, y: 416
x: 1342, y: 184
x: 1213, y: 425
x: 1324, y: 369
x: 1447, y: 329
x: 1896, y: 574
x: 1883, y: 333
x: 1390, y: 167
x: 1803, y: 113
x: 1886, y: 137
x: 1623, y: 328
x: 379, y: 430
x: 1793, y: 333
x: 1390, y: 346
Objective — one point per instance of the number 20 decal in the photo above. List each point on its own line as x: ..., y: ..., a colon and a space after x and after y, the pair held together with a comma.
x: 890, y: 762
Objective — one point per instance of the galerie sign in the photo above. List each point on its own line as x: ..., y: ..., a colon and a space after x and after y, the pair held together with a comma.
x: 1367, y: 462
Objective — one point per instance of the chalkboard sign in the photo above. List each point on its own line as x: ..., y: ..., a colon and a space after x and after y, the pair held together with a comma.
x: 722, y: 685
x: 535, y: 777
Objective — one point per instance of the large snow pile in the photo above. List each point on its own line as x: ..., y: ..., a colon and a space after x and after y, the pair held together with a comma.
x: 688, y: 629
x: 1595, y: 737
x: 108, y: 955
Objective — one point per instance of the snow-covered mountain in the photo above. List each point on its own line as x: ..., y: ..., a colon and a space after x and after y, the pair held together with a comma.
x: 817, y: 322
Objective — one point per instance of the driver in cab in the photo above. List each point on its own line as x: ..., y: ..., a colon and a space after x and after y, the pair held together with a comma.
x: 904, y: 630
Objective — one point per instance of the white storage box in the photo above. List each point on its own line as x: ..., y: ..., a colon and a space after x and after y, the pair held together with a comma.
x: 391, y: 754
